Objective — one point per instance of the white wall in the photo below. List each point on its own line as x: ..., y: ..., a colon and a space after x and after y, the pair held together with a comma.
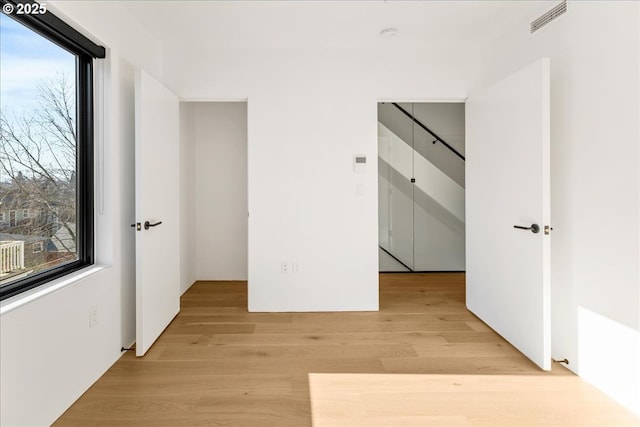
x: 188, y: 228
x: 48, y: 354
x: 309, y: 112
x: 220, y: 209
x: 595, y: 129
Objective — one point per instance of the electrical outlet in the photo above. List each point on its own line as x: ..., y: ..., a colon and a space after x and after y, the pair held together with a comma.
x: 285, y: 267
x: 295, y: 267
x: 93, y: 316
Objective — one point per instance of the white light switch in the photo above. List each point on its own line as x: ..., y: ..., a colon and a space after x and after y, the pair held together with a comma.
x: 359, y: 190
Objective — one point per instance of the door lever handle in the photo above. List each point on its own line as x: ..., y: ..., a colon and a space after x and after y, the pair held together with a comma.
x: 148, y: 225
x: 535, y: 228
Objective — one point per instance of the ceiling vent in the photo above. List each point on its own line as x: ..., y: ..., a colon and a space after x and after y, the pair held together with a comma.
x: 549, y: 16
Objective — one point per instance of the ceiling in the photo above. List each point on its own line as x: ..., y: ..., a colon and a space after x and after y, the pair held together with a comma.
x: 333, y: 24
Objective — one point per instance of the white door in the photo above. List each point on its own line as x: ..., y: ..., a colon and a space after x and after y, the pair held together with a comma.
x: 507, y: 185
x: 157, y: 210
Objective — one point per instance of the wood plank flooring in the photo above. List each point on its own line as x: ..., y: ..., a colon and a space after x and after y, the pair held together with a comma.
x: 422, y: 360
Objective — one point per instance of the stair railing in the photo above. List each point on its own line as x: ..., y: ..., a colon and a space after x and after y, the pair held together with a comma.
x: 432, y: 133
x: 395, y: 258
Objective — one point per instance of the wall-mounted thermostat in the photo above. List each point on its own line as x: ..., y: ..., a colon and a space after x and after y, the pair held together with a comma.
x: 359, y: 163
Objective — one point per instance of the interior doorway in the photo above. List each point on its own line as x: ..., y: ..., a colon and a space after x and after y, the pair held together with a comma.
x: 214, y: 190
x: 421, y: 180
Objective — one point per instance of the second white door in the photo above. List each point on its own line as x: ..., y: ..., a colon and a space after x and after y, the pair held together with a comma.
x: 508, y: 186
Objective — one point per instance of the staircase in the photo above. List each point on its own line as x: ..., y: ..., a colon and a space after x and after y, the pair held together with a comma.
x: 421, y: 192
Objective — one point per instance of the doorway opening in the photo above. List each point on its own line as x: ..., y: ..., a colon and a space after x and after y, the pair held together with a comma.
x: 214, y: 190
x: 421, y: 179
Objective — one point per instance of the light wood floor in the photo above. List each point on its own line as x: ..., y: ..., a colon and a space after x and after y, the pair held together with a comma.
x: 422, y: 360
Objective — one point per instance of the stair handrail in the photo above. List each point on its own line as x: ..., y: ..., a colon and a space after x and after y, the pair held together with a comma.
x: 437, y: 138
x: 394, y: 257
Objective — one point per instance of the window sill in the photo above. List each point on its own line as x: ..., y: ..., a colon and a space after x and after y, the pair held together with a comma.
x: 24, y: 298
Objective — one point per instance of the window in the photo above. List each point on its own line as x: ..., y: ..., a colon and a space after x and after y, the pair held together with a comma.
x: 46, y: 146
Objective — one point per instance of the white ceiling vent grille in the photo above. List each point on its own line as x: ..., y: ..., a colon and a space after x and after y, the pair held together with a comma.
x: 549, y: 16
